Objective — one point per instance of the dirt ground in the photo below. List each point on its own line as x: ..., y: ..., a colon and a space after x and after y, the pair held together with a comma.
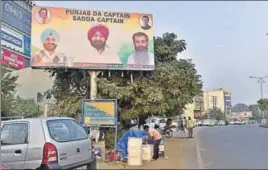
x: 173, y: 151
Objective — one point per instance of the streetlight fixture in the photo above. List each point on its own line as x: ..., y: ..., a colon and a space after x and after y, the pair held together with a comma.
x: 260, y: 80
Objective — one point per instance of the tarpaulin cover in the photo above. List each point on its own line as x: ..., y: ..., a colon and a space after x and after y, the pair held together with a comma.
x: 122, y: 144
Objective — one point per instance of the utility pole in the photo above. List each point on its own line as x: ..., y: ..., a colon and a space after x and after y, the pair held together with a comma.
x: 260, y: 80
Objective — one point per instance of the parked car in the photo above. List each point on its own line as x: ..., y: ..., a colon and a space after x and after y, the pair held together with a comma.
x: 238, y: 122
x: 221, y: 122
x: 198, y: 123
x: 206, y: 122
x: 231, y: 122
x: 45, y: 143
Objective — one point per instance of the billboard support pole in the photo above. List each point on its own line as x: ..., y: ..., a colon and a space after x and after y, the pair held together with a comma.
x: 93, y: 84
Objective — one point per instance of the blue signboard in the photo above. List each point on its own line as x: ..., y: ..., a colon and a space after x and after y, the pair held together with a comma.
x: 16, y: 16
x: 27, y: 45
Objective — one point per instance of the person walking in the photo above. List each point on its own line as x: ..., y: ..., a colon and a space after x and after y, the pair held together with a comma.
x: 157, y: 140
x: 190, y: 126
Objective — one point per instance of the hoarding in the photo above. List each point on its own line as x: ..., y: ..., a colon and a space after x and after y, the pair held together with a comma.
x: 99, y: 112
x: 91, y: 39
x: 16, y: 16
x: 12, y: 59
x: 15, y: 41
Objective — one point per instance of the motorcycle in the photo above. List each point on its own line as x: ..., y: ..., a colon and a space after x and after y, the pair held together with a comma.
x: 167, y: 132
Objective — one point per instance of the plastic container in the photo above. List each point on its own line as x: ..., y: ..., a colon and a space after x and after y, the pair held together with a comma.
x: 147, y: 152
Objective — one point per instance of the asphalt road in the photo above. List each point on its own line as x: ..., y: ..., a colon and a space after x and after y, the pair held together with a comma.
x: 233, y: 147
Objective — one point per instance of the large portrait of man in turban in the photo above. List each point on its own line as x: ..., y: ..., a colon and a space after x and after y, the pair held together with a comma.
x: 141, y: 56
x: 98, y: 35
x: 49, y: 55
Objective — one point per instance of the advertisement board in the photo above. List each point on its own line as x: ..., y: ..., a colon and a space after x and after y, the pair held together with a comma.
x: 99, y: 112
x: 91, y: 39
x: 12, y: 59
x: 15, y: 41
x: 16, y: 16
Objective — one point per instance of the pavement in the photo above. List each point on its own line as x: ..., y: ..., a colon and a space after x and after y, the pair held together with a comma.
x: 233, y: 147
x: 180, y: 152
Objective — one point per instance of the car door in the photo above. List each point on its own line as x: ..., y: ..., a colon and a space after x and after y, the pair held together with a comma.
x: 14, y: 144
x: 82, y: 143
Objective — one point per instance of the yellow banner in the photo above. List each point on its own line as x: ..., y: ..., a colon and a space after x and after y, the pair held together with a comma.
x: 91, y: 39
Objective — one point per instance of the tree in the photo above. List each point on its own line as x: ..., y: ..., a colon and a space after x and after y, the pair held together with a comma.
x: 164, y: 91
x: 8, y: 90
x: 263, y: 104
x: 240, y: 107
x: 25, y: 107
x: 216, y: 114
x: 255, y: 112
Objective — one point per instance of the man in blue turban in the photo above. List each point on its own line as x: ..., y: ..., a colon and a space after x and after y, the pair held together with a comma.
x: 48, y: 56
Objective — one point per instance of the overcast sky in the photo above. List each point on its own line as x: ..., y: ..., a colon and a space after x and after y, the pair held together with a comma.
x: 226, y: 40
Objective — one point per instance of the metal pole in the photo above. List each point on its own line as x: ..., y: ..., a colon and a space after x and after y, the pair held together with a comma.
x: 261, y: 90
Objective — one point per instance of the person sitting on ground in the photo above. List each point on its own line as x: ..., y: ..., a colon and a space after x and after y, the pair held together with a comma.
x: 156, y: 136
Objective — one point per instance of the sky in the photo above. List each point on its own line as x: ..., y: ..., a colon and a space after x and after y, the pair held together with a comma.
x: 226, y: 40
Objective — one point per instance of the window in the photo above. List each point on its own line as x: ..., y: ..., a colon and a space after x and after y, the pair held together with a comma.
x: 16, y: 133
x: 66, y: 130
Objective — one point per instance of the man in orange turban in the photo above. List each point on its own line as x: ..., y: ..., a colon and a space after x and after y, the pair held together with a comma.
x: 97, y: 36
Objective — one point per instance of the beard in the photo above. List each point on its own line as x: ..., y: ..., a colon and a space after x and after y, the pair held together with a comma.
x: 98, y: 45
x: 141, y: 56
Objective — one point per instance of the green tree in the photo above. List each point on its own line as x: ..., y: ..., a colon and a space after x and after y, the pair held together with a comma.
x: 263, y: 104
x: 216, y: 114
x: 164, y: 91
x: 25, y: 107
x: 255, y: 112
x: 8, y: 90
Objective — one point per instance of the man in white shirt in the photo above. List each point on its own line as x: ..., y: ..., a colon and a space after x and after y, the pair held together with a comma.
x: 141, y: 56
x: 49, y: 56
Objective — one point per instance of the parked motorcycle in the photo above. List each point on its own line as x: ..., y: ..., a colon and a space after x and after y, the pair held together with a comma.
x: 168, y: 133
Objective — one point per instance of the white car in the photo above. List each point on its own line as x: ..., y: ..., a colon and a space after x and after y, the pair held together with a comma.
x: 206, y: 122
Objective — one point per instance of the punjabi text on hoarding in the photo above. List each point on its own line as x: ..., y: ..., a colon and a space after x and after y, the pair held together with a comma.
x: 91, y: 39
x: 12, y: 60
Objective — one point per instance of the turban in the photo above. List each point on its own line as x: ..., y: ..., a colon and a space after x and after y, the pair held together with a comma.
x: 50, y: 32
x: 102, y: 29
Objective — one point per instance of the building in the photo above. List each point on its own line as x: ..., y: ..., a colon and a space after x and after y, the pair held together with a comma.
x: 195, y: 110
x: 16, y: 34
x: 218, y: 98
x: 241, y: 115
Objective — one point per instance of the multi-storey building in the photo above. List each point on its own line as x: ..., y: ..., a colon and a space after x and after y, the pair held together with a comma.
x: 16, y: 34
x: 218, y: 98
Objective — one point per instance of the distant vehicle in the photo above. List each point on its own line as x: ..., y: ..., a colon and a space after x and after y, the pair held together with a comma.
x: 198, y: 123
x: 231, y: 122
x: 206, y: 122
x: 45, y: 144
x: 221, y: 122
x: 238, y: 122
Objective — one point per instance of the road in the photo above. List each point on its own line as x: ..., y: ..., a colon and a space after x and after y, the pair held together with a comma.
x: 233, y: 146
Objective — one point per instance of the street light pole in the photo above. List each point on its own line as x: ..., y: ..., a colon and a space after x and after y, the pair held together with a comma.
x: 260, y: 80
